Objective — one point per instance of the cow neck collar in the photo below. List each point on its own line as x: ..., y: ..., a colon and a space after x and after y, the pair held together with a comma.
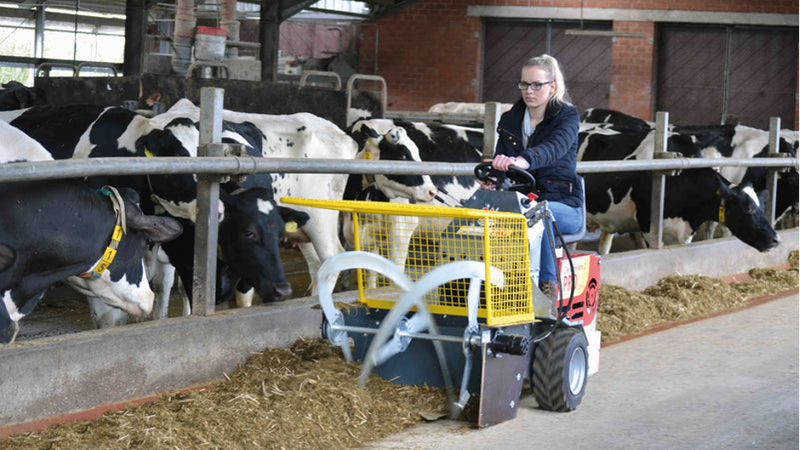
x: 369, y: 177
x: 721, y: 217
x: 116, y: 236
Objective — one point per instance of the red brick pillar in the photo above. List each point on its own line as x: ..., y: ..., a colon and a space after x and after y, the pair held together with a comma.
x: 796, y: 99
x: 633, y: 70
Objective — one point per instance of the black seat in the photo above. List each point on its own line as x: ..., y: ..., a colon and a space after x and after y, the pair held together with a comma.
x: 578, y: 235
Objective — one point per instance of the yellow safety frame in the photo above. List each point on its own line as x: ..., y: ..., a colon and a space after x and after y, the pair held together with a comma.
x: 498, y: 239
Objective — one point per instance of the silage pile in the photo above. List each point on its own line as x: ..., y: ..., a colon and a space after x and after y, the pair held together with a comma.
x: 305, y: 397
x: 625, y: 312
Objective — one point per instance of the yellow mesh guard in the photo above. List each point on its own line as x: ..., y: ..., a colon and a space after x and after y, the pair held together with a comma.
x: 423, y: 237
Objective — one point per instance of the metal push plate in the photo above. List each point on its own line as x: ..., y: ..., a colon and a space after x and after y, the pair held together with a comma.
x: 501, y: 385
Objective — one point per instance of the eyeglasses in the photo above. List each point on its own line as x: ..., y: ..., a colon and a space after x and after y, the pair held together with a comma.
x: 523, y: 86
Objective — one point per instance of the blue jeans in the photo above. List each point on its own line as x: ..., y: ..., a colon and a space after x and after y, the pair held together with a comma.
x: 568, y: 220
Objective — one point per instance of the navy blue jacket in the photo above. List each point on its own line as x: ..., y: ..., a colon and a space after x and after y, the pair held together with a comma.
x: 552, y: 150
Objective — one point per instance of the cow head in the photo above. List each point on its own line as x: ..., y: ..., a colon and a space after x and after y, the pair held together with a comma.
x: 788, y: 183
x: 395, y: 145
x: 176, y: 193
x: 741, y: 210
x: 124, y: 284
x: 250, y: 238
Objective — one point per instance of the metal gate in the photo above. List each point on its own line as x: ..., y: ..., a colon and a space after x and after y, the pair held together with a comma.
x: 586, y: 60
x: 708, y: 73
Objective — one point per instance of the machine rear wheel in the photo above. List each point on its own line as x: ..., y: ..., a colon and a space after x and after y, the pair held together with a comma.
x: 559, y: 370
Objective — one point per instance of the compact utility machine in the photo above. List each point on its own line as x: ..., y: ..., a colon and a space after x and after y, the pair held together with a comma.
x: 450, y: 293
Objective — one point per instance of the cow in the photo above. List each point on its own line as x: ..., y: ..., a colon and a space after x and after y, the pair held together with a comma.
x: 610, y: 116
x: 786, y: 198
x: 420, y: 142
x: 620, y: 202
x: 56, y: 230
x: 711, y: 141
x: 379, y: 139
x: 474, y: 109
x: 299, y: 135
x: 429, y: 143
x: 91, y: 131
x: 127, y: 292
x: 16, y: 95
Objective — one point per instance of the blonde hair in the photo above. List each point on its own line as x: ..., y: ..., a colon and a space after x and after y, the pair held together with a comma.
x: 550, y: 64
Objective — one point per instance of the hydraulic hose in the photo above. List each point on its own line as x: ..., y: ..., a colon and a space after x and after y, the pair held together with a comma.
x: 559, y: 314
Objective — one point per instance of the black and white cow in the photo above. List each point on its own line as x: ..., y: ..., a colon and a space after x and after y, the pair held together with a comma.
x: 428, y: 143
x: 128, y: 292
x: 50, y: 231
x: 299, y: 135
x: 610, y: 116
x: 88, y: 131
x: 786, y: 199
x: 417, y: 142
x: 15, y: 95
x: 620, y: 202
x: 714, y: 141
x: 381, y: 140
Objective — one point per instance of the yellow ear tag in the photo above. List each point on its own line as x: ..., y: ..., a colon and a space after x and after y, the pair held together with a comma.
x: 148, y: 153
x: 367, y: 155
x: 291, y: 227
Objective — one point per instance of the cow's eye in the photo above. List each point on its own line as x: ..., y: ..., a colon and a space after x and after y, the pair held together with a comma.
x: 250, y: 235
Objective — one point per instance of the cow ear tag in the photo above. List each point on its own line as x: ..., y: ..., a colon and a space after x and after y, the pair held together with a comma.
x: 291, y: 227
x: 148, y: 153
x: 367, y: 155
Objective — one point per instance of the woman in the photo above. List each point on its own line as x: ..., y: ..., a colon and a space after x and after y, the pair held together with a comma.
x: 540, y: 134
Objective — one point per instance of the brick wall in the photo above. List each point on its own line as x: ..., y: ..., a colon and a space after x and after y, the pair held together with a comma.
x: 796, y: 100
x: 632, y: 70
x: 429, y: 53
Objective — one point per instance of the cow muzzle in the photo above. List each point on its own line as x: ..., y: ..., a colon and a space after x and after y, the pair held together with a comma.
x: 774, y: 242
x: 8, y: 334
x: 279, y: 292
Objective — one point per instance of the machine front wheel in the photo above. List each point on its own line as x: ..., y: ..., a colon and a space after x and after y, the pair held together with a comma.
x: 559, y: 370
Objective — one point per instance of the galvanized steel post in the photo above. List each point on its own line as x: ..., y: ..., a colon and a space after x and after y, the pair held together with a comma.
x: 659, y: 180
x: 204, y: 280
x: 772, y: 174
x: 490, y: 121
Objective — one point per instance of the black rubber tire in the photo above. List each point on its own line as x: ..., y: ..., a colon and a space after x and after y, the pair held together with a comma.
x: 551, y: 366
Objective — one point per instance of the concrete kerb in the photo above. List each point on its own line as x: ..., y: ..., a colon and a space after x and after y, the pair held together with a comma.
x: 72, y: 373
x: 720, y: 257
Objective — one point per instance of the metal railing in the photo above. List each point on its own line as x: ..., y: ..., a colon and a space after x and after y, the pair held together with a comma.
x: 210, y: 165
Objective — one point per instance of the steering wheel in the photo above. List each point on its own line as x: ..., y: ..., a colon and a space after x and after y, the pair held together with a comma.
x: 502, y: 181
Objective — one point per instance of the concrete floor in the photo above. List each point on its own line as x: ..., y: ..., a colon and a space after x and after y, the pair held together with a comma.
x: 729, y: 382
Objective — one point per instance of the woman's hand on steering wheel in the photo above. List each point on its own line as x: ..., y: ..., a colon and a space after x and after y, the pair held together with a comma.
x: 503, y: 162
x: 487, y: 174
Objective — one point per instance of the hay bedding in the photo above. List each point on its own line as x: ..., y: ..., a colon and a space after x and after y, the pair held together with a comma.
x: 306, y: 397
x: 624, y: 312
